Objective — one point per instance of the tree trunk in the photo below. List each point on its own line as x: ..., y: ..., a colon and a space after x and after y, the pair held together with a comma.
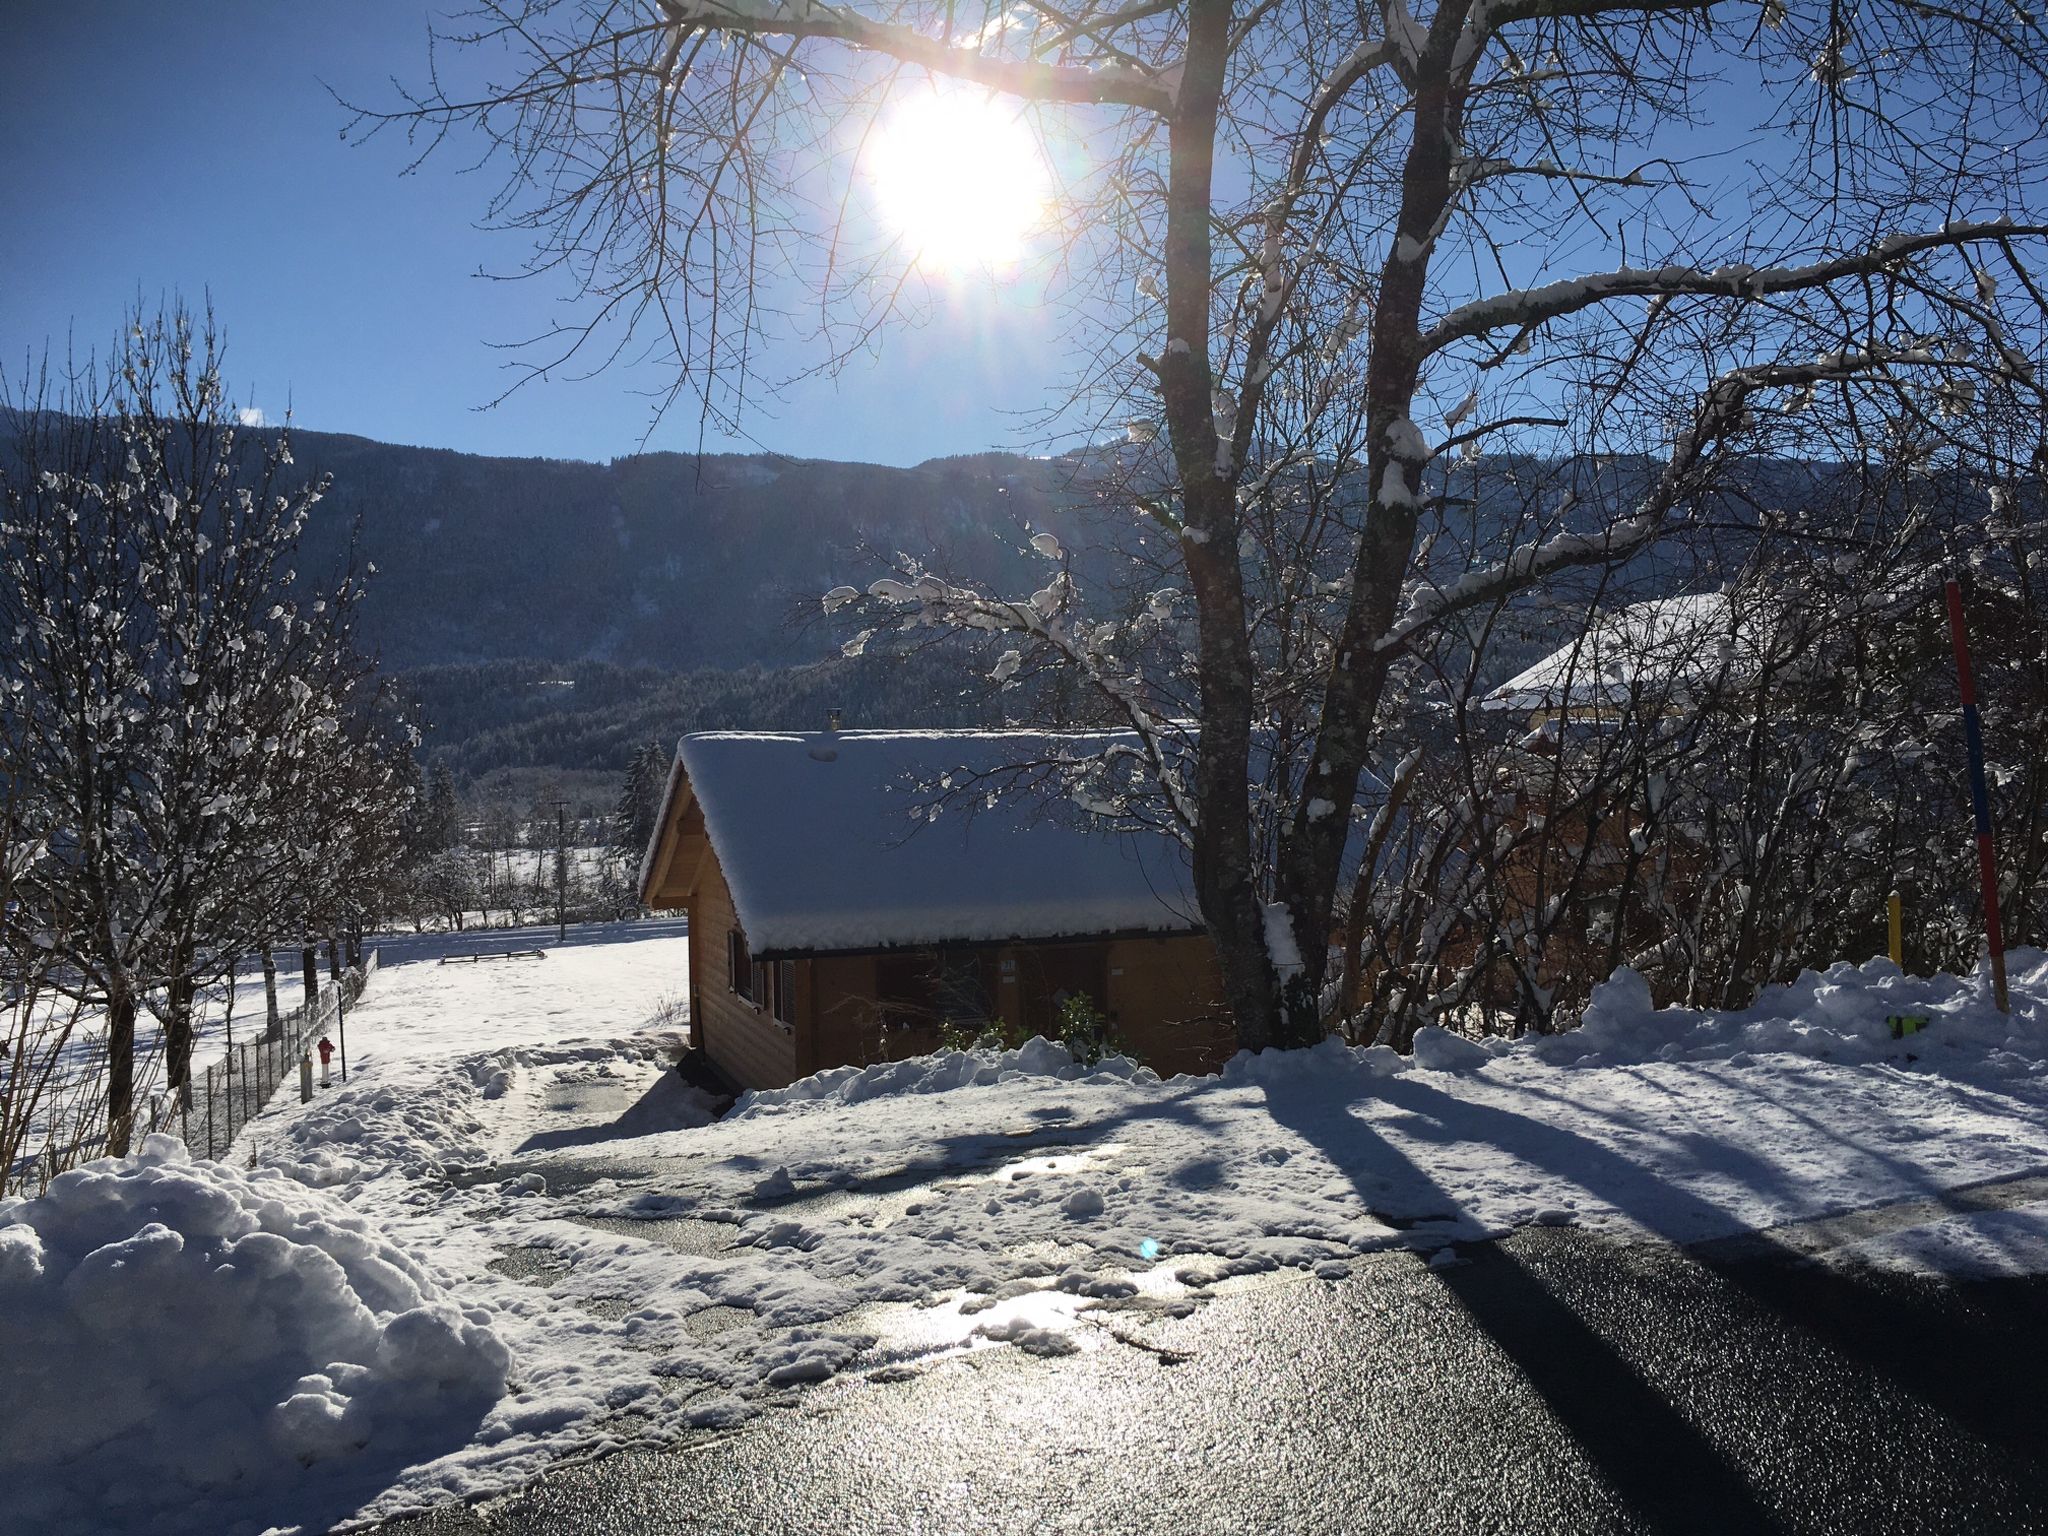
x: 309, y: 973
x: 1226, y: 881
x: 273, y: 1026
x: 178, y: 1028
x: 1311, y: 853
x: 333, y: 957
x: 120, y: 1069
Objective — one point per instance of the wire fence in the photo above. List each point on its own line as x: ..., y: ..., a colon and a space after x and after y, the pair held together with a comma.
x: 232, y: 1092
x: 225, y: 1096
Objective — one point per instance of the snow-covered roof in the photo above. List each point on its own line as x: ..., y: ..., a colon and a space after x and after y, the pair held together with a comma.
x: 820, y: 839
x: 1671, y: 642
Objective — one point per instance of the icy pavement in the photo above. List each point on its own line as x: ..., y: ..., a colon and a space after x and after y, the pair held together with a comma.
x: 1552, y: 1382
x: 652, y: 1274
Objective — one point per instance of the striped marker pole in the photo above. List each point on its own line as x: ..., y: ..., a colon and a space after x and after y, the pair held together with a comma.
x: 1980, y: 798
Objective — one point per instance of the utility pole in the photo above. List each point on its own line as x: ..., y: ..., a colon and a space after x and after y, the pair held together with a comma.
x: 561, y: 870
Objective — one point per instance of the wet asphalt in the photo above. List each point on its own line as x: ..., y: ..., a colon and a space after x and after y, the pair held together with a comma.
x: 1552, y: 1382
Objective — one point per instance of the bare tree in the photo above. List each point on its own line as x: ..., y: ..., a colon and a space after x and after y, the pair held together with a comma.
x: 1328, y: 255
x: 178, y: 698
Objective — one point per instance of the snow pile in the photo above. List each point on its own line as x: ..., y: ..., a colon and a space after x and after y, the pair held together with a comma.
x: 373, y: 1126
x: 1841, y: 1014
x: 180, y: 1331
x: 940, y: 1073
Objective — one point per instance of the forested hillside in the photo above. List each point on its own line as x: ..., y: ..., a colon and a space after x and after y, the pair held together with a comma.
x: 660, y: 560
x: 503, y: 726
x: 548, y: 615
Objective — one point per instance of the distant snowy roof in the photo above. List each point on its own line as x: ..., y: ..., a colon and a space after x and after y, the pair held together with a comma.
x: 1668, y: 643
x: 820, y: 841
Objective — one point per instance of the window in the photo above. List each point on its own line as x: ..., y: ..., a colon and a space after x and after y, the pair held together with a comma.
x: 785, y: 991
x: 739, y: 965
x: 769, y: 984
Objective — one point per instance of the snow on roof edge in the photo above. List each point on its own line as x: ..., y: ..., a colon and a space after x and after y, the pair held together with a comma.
x: 941, y: 893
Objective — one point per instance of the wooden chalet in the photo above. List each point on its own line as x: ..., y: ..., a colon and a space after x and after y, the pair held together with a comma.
x: 846, y: 905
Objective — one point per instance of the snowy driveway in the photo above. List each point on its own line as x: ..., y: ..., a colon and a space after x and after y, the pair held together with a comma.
x: 655, y: 1281
x: 1556, y: 1382
x: 655, y: 1278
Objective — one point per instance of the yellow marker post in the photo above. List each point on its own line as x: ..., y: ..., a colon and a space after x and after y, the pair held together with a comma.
x: 1896, y: 909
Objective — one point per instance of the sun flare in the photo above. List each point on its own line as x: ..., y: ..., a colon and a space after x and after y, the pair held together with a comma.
x: 960, y: 179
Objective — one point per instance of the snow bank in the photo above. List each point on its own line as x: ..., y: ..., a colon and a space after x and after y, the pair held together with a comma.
x: 460, y: 1115
x: 940, y: 1073
x: 177, y: 1331
x: 1840, y: 1014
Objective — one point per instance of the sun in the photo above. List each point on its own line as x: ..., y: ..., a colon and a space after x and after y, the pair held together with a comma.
x: 960, y: 179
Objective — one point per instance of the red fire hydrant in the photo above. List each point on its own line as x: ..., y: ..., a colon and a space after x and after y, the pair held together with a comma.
x: 326, y: 1050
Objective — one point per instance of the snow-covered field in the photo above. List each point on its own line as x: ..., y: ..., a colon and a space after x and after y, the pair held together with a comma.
x: 511, y: 1148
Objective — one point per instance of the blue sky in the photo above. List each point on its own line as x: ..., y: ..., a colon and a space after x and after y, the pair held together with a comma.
x: 158, y: 149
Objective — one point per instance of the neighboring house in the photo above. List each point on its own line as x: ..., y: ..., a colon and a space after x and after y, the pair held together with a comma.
x: 1801, y: 694
x: 835, y: 919
x: 1760, y: 646
x: 1647, y: 656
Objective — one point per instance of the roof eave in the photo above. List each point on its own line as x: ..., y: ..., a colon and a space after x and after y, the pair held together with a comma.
x: 1108, y: 936
x: 651, y: 859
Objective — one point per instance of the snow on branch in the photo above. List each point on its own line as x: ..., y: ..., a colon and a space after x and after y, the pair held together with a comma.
x: 1046, y: 617
x: 1721, y: 407
x: 1532, y: 306
x: 1112, y: 84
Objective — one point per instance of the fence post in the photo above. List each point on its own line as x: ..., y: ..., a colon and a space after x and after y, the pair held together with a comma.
x: 209, y: 1111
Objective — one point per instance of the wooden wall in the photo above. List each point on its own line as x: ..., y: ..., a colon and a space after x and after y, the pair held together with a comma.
x: 743, y: 1038
x: 1166, y: 996
x: 1163, y: 994
x: 838, y: 1017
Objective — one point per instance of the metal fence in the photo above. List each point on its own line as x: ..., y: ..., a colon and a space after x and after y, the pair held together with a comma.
x: 232, y: 1092
x: 225, y: 1095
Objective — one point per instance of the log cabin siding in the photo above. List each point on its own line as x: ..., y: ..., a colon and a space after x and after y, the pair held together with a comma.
x: 742, y: 1037
x: 1166, y: 999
